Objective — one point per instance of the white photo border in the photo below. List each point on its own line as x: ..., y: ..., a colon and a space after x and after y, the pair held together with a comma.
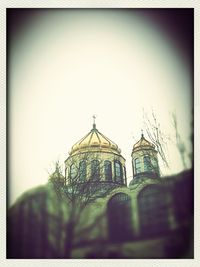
x: 97, y: 4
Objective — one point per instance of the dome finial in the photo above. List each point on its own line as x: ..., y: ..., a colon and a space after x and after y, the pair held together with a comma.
x: 94, y: 124
x: 142, y: 135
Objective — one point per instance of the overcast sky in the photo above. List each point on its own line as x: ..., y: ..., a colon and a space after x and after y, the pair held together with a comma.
x: 66, y: 65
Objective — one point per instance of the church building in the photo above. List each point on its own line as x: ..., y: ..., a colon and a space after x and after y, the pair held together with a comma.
x: 93, y: 212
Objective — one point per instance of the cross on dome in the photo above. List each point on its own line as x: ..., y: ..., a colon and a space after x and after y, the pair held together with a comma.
x: 142, y: 135
x: 94, y: 124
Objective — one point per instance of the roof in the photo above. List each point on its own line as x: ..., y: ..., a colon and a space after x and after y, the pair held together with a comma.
x: 143, y: 144
x: 95, y: 140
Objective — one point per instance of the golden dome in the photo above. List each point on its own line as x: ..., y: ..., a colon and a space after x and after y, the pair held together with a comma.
x: 143, y: 144
x: 95, y: 141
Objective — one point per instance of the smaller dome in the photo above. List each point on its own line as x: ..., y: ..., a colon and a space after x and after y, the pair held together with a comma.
x: 143, y: 144
x: 57, y: 176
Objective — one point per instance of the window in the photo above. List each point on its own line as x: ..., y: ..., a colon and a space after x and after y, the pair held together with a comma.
x: 137, y: 166
x: 153, y: 210
x: 82, y: 170
x: 95, y: 170
x: 155, y: 165
x: 120, y: 217
x: 118, y: 172
x: 66, y: 173
x: 73, y: 171
x: 184, y: 199
x: 108, y: 170
x: 147, y: 163
x: 125, y: 180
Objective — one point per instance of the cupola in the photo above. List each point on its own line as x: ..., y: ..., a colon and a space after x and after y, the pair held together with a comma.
x: 143, y: 144
x: 144, y: 160
x: 94, y: 141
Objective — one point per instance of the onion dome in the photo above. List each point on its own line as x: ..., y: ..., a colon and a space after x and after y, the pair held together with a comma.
x: 95, y: 141
x: 57, y: 176
x: 143, y: 144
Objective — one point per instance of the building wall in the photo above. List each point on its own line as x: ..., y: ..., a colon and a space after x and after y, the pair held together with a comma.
x: 37, y: 222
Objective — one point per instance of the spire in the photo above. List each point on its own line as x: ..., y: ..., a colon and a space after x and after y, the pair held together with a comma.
x: 94, y: 124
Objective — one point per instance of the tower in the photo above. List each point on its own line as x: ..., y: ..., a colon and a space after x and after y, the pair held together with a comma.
x: 144, y: 160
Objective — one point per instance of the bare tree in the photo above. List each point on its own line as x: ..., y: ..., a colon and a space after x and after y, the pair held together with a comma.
x: 156, y: 135
x: 179, y: 143
x: 81, y: 187
x: 161, y: 140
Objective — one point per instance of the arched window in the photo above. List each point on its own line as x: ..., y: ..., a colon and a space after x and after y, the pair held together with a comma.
x: 118, y: 172
x: 95, y: 170
x: 73, y: 171
x: 137, y: 166
x: 153, y: 211
x: 125, y: 179
x: 119, y: 217
x: 184, y: 199
x: 155, y: 165
x: 66, y: 173
x: 147, y: 163
x: 82, y: 170
x: 108, y: 170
